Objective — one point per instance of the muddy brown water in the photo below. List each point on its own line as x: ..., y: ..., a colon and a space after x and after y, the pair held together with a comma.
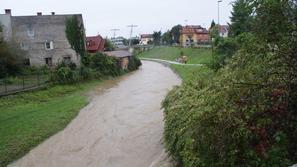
x: 121, y: 127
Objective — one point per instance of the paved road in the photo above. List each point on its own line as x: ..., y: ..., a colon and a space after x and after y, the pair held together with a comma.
x: 169, y: 62
x: 121, y: 127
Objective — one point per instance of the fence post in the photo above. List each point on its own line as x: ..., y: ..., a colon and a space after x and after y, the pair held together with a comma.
x: 5, y: 86
x: 38, y: 82
x: 23, y: 82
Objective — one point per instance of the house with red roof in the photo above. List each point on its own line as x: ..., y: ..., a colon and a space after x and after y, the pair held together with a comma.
x: 95, y: 44
x: 224, y: 30
x: 192, y: 35
x: 145, y: 39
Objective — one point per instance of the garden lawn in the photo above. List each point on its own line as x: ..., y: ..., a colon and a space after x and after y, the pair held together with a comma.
x: 195, y: 55
x: 189, y: 72
x: 27, y: 119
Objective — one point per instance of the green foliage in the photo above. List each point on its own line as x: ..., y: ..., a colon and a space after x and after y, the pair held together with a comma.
x: 167, y: 38
x: 175, y: 33
x: 157, y: 35
x: 65, y: 75
x: 244, y: 114
x: 108, y: 45
x: 75, y: 34
x: 224, y: 50
x: 105, y: 65
x: 241, y: 19
x: 212, y: 24
x: 10, y: 59
x: 134, y: 63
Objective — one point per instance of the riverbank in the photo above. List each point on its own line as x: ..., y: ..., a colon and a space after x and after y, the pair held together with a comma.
x: 27, y: 119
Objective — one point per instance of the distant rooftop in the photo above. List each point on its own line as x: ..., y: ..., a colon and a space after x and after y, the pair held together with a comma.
x: 119, y: 53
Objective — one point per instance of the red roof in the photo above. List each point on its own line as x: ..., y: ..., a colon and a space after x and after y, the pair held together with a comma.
x: 95, y: 43
x: 194, y: 29
x: 146, y: 36
x: 224, y: 28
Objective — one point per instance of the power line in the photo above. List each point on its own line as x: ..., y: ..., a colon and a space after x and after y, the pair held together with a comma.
x: 114, y: 32
x: 131, y: 26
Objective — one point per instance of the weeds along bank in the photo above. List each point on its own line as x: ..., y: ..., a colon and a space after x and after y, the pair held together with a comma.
x: 242, y: 115
x: 245, y: 113
x: 93, y: 66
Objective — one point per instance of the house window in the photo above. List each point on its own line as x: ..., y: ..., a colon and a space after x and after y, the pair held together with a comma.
x: 67, y: 59
x: 49, y: 61
x: 49, y: 45
x: 24, y: 46
x: 27, y: 62
x: 30, y: 31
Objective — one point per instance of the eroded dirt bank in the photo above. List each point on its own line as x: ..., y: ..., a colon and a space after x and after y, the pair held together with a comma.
x: 121, y: 127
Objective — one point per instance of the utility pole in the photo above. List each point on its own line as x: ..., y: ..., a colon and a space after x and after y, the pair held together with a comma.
x: 219, y: 1
x: 131, y: 26
x: 114, y: 32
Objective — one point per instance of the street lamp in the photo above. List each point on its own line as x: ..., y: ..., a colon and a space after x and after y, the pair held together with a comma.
x: 219, y: 1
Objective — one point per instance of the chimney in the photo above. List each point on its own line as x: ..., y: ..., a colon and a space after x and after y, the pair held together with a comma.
x: 39, y: 13
x: 8, y: 11
x: 53, y: 13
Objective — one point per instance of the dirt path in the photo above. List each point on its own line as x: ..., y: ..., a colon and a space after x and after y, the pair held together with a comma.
x: 121, y: 127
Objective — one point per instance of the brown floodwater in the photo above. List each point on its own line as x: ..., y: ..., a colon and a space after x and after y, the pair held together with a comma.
x: 121, y: 127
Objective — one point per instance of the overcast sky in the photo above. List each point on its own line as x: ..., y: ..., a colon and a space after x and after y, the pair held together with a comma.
x: 100, y: 16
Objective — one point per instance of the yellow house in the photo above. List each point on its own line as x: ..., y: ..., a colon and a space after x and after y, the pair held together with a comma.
x: 193, y: 35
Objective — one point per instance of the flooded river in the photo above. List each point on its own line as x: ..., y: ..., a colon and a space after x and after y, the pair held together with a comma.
x: 121, y: 127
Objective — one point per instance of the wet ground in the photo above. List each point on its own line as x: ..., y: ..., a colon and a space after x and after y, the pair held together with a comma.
x: 121, y: 127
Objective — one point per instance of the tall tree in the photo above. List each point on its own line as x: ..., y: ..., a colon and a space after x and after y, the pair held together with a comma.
x: 241, y: 19
x: 212, y: 24
x: 157, y: 37
x: 76, y: 35
x: 175, y: 32
x: 167, y: 38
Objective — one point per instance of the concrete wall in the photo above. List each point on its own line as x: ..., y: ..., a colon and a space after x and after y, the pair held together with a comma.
x: 124, y: 63
x: 5, y: 22
x: 31, y: 33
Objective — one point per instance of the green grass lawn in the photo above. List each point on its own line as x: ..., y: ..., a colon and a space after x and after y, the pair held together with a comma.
x: 27, y: 119
x: 189, y: 72
x: 195, y: 55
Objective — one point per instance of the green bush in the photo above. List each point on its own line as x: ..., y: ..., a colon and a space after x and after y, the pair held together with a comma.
x: 65, y: 75
x: 105, y: 65
x: 134, y: 63
x: 88, y: 73
x: 243, y: 115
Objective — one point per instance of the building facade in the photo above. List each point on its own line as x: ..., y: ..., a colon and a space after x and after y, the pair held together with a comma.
x: 41, y: 37
x: 122, y: 55
x: 145, y: 39
x: 224, y: 31
x: 193, y: 35
x: 95, y: 44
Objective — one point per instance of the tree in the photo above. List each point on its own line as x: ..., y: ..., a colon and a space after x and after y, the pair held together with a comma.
x: 135, y: 41
x: 167, y: 38
x: 76, y: 35
x: 241, y: 19
x: 175, y: 33
x: 212, y: 24
x: 157, y: 37
x: 108, y: 45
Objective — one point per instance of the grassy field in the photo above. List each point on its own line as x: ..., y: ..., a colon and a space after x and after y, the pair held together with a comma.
x: 195, y: 55
x: 27, y: 119
x: 188, y: 72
